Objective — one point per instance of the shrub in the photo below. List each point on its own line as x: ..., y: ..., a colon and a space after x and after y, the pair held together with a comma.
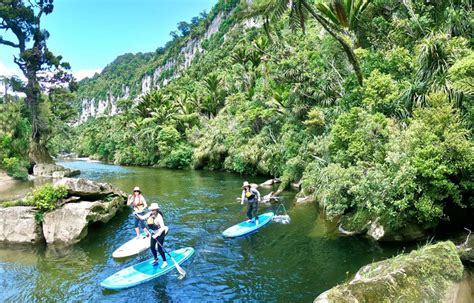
x: 16, y: 168
x: 45, y: 198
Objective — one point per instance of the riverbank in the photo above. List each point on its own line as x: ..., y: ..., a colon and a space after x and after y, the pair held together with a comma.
x: 7, y: 184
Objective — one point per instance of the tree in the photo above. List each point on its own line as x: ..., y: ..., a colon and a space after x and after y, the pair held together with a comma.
x: 184, y: 27
x: 42, y: 69
x: 339, y: 19
x: 174, y: 35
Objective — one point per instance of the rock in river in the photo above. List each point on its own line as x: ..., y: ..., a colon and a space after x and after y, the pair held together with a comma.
x: 87, y: 202
x: 69, y: 224
x: 18, y: 225
x: 429, y: 274
x: 88, y: 189
x: 54, y: 171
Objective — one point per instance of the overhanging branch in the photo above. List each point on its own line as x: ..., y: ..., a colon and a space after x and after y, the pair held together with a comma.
x: 9, y: 43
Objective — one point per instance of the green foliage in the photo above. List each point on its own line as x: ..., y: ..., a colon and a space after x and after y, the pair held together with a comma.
x: 14, y: 139
x: 359, y: 136
x: 397, y: 149
x: 45, y: 198
x: 15, y: 168
x: 381, y: 94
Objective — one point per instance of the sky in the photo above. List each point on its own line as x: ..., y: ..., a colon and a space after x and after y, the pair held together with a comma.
x: 90, y: 34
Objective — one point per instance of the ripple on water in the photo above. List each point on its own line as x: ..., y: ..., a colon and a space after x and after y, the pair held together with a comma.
x: 291, y: 262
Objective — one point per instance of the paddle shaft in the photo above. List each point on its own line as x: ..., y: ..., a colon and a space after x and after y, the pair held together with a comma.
x: 179, y: 268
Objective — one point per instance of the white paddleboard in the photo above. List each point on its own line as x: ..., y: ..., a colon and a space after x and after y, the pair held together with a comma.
x: 132, y: 247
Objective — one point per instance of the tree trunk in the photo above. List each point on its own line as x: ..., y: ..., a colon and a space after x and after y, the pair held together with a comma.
x: 345, y: 45
x: 38, y: 153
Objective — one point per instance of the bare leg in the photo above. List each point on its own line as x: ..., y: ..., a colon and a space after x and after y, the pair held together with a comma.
x: 137, y: 230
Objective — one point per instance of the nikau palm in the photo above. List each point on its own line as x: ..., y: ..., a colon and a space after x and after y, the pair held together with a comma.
x: 339, y: 18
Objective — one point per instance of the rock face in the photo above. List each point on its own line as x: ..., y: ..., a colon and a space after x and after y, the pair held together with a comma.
x: 18, y: 225
x: 89, y: 190
x: 54, y: 171
x: 68, y: 225
x: 428, y: 274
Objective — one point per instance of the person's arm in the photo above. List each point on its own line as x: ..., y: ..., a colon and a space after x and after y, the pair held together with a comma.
x: 159, y: 220
x: 243, y: 197
x: 258, y: 195
x: 143, y: 217
x: 144, y: 202
x: 130, y: 199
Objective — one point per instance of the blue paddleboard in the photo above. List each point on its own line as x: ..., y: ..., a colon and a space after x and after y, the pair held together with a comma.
x: 246, y: 228
x: 145, y: 271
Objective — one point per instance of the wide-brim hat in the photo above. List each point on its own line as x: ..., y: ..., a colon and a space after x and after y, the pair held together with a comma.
x: 136, y: 188
x: 245, y: 184
x: 154, y: 206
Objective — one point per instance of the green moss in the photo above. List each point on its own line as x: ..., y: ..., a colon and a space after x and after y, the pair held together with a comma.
x: 424, y: 275
x: 15, y: 203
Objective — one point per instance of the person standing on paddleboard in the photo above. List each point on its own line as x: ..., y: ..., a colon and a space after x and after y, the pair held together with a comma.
x: 138, y: 203
x: 155, y: 222
x: 252, y: 197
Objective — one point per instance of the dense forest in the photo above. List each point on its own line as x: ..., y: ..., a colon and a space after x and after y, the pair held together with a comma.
x: 369, y: 104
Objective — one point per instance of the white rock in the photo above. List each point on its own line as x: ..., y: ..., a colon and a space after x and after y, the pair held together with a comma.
x: 376, y: 230
x: 18, y: 225
x: 53, y: 170
x: 68, y: 225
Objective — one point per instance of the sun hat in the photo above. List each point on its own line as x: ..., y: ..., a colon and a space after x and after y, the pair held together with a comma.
x: 153, y: 206
x: 245, y: 184
x: 136, y: 188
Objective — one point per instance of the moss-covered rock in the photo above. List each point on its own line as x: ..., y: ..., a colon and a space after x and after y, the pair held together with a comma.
x: 424, y: 275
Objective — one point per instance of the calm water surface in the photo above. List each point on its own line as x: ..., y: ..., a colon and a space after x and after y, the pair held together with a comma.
x: 281, y: 263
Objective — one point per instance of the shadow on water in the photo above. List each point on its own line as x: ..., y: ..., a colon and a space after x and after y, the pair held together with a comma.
x: 293, y: 262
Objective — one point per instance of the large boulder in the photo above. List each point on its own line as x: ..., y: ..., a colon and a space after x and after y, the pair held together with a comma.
x: 89, y: 190
x: 18, y: 225
x: 428, y: 274
x: 54, y: 171
x: 68, y: 225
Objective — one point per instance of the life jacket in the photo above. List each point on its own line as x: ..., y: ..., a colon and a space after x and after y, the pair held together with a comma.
x: 250, y: 195
x: 150, y: 221
x: 138, y: 206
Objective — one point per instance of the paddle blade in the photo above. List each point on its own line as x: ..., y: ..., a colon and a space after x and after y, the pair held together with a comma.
x: 182, y: 272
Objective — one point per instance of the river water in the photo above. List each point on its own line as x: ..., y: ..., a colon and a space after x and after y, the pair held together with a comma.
x: 281, y: 263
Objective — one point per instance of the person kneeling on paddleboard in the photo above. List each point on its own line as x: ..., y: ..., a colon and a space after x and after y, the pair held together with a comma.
x: 155, y: 222
x: 252, y: 197
x: 139, y: 205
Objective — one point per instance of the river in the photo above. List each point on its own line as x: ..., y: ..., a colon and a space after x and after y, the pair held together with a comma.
x: 281, y: 263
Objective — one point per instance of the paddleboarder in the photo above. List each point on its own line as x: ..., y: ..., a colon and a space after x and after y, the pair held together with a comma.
x: 139, y: 205
x: 252, y: 197
x: 155, y: 222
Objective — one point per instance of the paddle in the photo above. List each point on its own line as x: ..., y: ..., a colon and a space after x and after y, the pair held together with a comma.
x: 182, y: 272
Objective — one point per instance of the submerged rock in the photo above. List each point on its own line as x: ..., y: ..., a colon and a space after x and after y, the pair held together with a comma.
x: 18, y: 225
x: 429, y: 274
x: 304, y: 200
x: 54, y: 171
x: 270, y: 182
x: 69, y: 224
x: 359, y: 223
